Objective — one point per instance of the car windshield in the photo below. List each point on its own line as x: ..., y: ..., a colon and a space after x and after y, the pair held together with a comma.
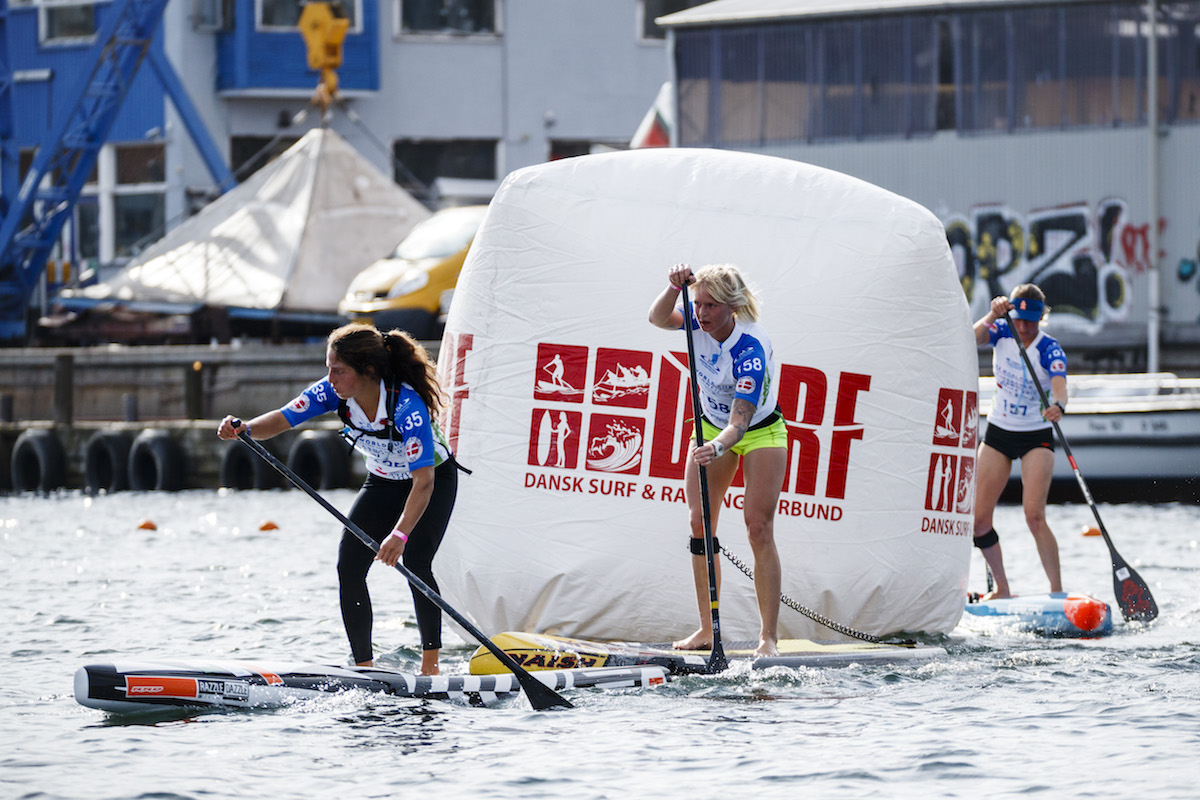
x: 444, y: 234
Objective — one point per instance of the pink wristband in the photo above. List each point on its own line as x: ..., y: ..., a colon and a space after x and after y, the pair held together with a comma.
x: 399, y: 534
x: 676, y: 288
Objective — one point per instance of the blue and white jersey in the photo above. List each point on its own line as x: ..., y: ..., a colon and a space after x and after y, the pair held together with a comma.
x: 741, y: 366
x: 418, y: 441
x: 1017, y: 406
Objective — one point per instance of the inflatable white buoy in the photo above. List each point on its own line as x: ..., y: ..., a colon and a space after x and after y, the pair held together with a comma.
x: 574, y: 412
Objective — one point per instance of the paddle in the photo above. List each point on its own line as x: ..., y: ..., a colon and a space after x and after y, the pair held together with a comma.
x: 1133, y: 595
x: 716, y: 659
x: 540, y: 695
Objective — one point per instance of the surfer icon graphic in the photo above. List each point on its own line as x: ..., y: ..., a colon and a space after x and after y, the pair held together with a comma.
x: 556, y: 384
x: 947, y: 430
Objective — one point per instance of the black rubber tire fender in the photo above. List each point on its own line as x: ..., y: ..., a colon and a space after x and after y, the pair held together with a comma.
x: 106, y: 461
x: 242, y: 468
x: 321, y: 459
x: 156, y: 462
x: 39, y: 462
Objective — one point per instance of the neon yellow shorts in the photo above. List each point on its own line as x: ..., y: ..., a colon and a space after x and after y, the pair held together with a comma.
x: 773, y: 435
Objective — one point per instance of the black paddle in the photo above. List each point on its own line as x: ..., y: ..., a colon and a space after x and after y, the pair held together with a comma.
x: 540, y: 695
x: 1133, y: 595
x: 716, y: 659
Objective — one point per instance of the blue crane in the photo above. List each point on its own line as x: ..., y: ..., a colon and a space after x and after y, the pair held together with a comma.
x: 34, y: 213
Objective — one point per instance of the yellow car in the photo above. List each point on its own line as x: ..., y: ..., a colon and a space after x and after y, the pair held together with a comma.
x: 411, y: 288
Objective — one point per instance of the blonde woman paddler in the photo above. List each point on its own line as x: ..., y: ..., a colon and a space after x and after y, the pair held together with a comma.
x: 736, y: 379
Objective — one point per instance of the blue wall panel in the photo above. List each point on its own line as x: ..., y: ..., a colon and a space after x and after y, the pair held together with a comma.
x: 249, y: 59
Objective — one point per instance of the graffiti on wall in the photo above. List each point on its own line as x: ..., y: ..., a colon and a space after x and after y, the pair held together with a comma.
x: 1081, y: 257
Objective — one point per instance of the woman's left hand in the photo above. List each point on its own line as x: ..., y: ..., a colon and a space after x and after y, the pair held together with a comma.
x: 1053, y: 413
x: 390, y: 551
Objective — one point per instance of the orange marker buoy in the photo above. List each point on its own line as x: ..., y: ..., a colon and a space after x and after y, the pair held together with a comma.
x: 147, y: 525
x: 1091, y: 530
x: 268, y: 526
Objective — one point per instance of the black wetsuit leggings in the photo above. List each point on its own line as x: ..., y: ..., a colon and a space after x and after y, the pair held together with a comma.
x: 376, y: 508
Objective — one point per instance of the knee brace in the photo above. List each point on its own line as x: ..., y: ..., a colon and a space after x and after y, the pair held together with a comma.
x: 988, y: 539
x: 697, y: 545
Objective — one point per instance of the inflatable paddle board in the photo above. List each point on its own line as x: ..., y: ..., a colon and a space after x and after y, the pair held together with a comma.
x: 1054, y: 614
x: 138, y: 687
x: 535, y: 651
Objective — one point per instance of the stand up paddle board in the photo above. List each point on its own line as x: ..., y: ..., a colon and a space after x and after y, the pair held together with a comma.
x: 1054, y: 614
x: 138, y: 687
x: 535, y: 651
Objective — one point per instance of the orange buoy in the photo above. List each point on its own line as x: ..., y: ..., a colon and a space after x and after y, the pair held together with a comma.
x: 147, y: 525
x: 268, y: 526
x: 1090, y: 530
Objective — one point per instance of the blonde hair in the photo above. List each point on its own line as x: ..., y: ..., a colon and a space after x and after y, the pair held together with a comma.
x: 726, y: 285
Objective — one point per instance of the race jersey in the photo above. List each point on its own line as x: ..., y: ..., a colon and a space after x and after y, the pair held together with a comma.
x: 741, y: 366
x: 1017, y: 406
x: 418, y: 441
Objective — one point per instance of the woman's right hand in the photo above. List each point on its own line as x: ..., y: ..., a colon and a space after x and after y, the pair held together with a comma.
x: 679, y: 275
x: 226, y: 430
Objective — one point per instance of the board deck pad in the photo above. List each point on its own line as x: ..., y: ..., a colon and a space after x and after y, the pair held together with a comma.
x: 133, y: 687
x: 1053, y: 614
x: 535, y: 651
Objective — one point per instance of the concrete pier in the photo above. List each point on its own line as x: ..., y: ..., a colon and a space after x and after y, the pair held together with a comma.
x: 68, y: 415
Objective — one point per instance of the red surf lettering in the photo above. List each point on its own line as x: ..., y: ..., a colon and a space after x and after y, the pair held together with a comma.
x: 615, y: 488
x: 460, y: 345
x: 554, y: 483
x: 803, y: 396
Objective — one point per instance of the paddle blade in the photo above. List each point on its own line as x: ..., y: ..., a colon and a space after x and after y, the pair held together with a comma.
x: 541, y: 696
x: 1133, y: 595
x: 716, y: 660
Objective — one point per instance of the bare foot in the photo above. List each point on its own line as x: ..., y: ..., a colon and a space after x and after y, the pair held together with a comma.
x: 766, y: 647
x: 994, y: 595
x: 700, y: 640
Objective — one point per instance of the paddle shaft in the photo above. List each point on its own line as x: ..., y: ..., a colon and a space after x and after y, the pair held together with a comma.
x: 1132, y: 593
x: 716, y: 659
x: 540, y: 695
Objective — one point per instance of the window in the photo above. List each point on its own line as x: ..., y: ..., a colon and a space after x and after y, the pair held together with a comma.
x: 448, y: 16
x: 139, y: 221
x: 212, y: 15
x: 458, y: 158
x: 286, y: 13
x: 138, y: 200
x: 67, y: 23
x: 650, y: 10
x: 249, y: 154
x: 141, y: 163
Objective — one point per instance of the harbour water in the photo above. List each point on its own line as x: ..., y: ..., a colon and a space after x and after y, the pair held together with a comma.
x: 1004, y: 714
